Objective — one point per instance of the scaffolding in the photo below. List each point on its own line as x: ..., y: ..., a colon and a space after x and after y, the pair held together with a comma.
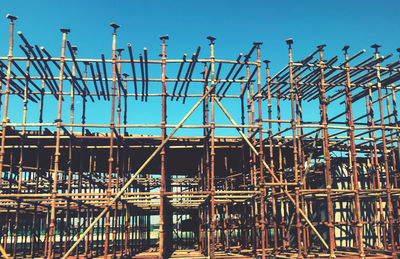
x: 302, y: 165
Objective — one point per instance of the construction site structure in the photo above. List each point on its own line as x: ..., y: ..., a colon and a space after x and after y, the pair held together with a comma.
x: 301, y: 164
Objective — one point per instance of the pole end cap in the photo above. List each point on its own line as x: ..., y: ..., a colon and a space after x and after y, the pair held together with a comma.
x: 115, y: 26
x: 211, y: 39
x: 11, y: 17
x: 375, y: 46
x: 165, y: 37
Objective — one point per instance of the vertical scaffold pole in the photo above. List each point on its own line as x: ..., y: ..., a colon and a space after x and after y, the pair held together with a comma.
x: 57, y: 154
x: 112, y: 127
x: 163, y: 253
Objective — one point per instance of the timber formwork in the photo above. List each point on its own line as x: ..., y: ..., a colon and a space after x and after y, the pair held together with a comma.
x: 302, y: 164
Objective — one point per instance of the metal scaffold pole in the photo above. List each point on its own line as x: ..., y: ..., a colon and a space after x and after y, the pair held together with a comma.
x: 302, y: 164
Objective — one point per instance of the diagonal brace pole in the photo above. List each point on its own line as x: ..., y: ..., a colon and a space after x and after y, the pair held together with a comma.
x: 123, y: 189
x: 272, y: 173
x: 3, y: 252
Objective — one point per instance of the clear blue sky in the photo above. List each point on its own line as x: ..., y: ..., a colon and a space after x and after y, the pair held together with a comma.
x: 235, y: 24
